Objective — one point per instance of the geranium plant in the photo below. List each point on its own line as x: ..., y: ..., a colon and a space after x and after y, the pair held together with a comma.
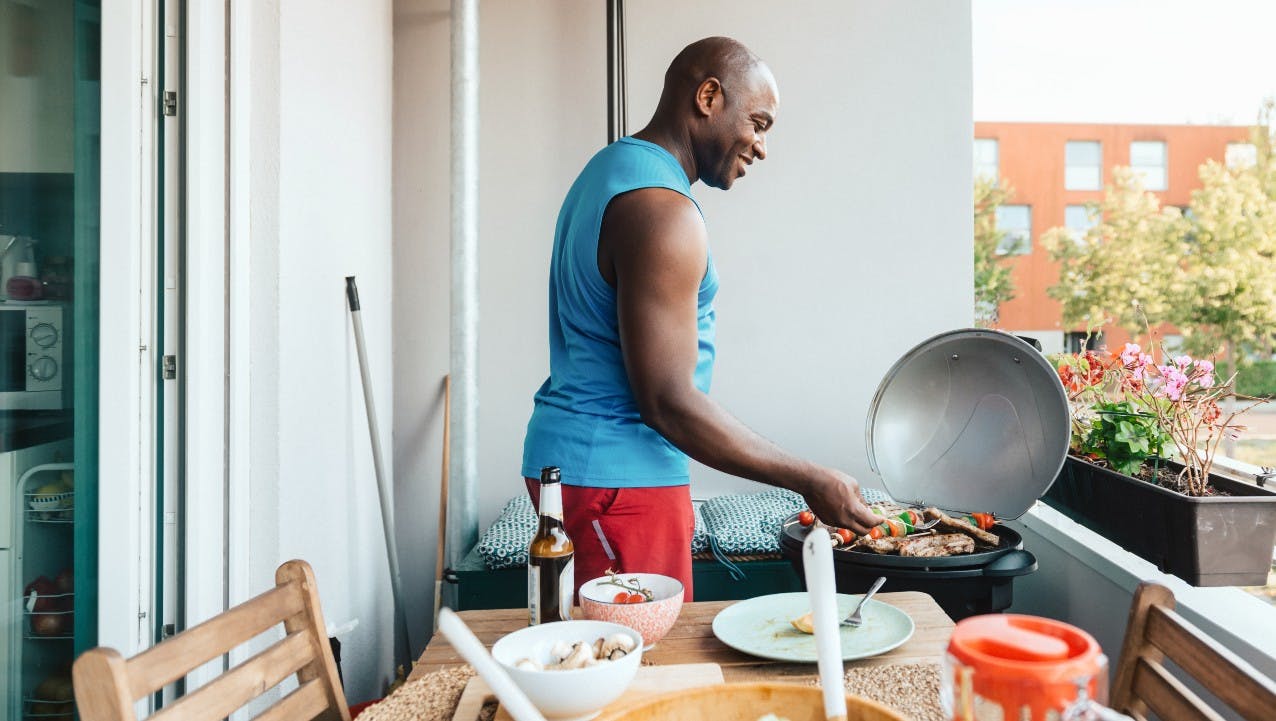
x: 1129, y: 407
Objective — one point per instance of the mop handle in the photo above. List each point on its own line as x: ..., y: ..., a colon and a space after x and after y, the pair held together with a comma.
x: 387, y: 510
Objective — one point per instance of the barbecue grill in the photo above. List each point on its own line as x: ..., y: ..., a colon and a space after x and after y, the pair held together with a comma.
x: 970, y: 420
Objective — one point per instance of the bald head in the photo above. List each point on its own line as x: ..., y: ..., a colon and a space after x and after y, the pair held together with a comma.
x: 718, y: 102
x: 728, y: 61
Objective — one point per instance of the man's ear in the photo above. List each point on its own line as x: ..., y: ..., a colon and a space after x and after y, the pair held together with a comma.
x: 709, y: 96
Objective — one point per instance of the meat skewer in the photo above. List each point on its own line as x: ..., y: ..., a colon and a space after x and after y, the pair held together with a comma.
x: 960, y: 526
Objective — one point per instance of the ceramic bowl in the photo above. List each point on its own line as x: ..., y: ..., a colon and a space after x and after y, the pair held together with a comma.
x: 576, y: 694
x: 652, y: 619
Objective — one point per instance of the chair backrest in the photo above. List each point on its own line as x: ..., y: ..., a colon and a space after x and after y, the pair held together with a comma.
x: 107, y: 686
x: 1155, y: 632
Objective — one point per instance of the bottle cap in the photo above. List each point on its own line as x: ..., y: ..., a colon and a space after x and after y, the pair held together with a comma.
x: 550, y: 474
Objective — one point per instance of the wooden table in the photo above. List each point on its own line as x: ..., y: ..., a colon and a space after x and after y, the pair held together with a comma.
x: 691, y: 640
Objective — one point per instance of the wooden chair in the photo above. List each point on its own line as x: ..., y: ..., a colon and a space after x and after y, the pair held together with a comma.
x: 1143, y: 684
x: 107, y: 686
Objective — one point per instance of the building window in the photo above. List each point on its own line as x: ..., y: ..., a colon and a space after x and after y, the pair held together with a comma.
x: 1148, y: 159
x: 1083, y: 165
x: 1078, y: 220
x: 1241, y: 155
x: 1076, y: 342
x: 986, y: 161
x: 1016, y: 222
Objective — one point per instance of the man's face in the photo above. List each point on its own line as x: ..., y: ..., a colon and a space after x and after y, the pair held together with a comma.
x: 736, y: 134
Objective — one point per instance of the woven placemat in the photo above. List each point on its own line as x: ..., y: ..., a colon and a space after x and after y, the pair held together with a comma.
x: 433, y: 697
x: 911, y: 688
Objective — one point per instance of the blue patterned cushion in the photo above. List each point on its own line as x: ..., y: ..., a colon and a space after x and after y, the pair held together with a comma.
x: 504, y: 544
x: 750, y: 523
x: 700, y: 536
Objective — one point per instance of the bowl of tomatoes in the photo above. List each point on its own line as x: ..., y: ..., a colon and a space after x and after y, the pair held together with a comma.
x: 649, y: 603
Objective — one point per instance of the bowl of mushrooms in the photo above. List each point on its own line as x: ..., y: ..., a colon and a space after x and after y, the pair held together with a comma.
x: 570, y: 670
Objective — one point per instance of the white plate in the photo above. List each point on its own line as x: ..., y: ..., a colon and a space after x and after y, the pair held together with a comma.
x: 760, y: 627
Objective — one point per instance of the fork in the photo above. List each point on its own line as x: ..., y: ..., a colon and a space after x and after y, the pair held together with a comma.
x: 855, y: 620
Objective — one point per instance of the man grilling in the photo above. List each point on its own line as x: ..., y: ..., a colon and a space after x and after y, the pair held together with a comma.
x: 631, y: 331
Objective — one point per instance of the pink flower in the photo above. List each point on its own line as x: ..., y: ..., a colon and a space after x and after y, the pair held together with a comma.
x: 1175, y: 381
x: 1203, y: 373
x: 1183, y: 361
x: 1130, y: 353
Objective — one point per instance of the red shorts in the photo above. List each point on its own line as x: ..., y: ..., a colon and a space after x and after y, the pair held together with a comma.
x: 630, y: 530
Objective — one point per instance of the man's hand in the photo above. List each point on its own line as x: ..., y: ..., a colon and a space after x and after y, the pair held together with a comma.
x: 836, y: 501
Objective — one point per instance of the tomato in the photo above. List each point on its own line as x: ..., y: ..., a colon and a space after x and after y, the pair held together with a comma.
x: 622, y: 597
x: 806, y: 518
x: 635, y: 598
x: 846, y: 535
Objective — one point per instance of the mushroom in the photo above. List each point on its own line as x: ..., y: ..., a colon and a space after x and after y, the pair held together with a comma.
x: 529, y: 664
x: 582, y: 655
x: 598, y: 649
x: 616, y: 646
x: 559, y: 651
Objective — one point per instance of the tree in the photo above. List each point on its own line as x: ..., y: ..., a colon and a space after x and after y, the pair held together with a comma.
x: 993, y: 285
x: 1131, y: 260
x: 1228, y: 299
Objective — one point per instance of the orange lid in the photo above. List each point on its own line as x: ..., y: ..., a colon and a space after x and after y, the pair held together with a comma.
x: 1026, y: 647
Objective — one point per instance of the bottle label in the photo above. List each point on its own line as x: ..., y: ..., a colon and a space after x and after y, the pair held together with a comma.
x: 560, y: 539
x: 533, y: 594
x: 567, y: 589
x: 551, y: 500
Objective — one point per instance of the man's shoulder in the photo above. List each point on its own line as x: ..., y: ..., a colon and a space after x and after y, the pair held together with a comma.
x: 656, y: 208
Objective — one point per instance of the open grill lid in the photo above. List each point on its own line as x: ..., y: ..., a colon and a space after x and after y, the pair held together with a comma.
x: 970, y: 420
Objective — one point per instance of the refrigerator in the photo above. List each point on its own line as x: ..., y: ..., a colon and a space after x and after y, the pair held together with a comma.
x: 37, y: 560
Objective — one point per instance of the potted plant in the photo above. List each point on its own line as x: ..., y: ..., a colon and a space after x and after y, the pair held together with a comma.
x: 1144, y: 437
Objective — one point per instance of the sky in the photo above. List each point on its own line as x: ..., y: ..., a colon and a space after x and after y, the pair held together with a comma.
x: 1205, y: 62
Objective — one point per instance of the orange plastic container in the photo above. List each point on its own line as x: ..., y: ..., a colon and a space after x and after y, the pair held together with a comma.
x: 1009, y: 666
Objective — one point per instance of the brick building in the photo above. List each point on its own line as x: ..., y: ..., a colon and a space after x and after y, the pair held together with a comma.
x: 1055, y: 169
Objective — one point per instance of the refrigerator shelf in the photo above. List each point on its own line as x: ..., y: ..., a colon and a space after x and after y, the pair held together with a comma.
x: 49, y: 507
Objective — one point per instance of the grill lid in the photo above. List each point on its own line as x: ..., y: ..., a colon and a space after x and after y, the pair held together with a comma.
x: 970, y: 420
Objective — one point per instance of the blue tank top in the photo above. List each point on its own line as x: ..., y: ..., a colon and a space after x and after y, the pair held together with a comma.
x: 585, y: 419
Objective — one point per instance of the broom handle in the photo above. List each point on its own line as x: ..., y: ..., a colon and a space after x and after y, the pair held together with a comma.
x: 383, y: 493
x: 443, y: 493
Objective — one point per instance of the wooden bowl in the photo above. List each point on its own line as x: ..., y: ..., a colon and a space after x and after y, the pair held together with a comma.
x: 747, y: 702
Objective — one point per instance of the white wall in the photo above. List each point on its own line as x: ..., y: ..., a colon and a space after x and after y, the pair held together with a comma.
x: 310, y: 170
x: 849, y: 245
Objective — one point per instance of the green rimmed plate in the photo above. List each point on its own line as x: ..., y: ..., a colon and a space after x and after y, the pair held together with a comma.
x: 760, y: 627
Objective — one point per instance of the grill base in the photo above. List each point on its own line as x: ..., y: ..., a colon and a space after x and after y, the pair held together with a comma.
x: 961, y: 592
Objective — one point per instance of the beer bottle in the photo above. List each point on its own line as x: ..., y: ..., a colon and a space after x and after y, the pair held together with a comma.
x: 551, y: 578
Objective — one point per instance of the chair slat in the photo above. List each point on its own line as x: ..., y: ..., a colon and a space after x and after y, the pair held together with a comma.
x: 323, y: 667
x: 1226, y: 675
x: 100, y: 681
x: 1167, y: 697
x: 230, y: 691
x: 164, y: 663
x: 1134, y: 646
x: 307, y: 702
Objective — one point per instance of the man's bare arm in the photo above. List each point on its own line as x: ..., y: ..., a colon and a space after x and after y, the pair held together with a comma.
x: 653, y: 248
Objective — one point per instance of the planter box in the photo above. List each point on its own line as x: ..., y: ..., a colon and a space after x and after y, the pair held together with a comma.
x: 1216, y: 541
